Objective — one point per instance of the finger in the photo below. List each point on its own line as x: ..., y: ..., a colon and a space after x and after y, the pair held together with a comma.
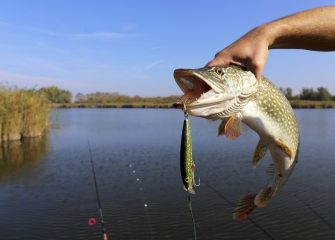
x: 218, y: 62
x: 257, y: 70
x: 211, y: 63
x: 254, y: 67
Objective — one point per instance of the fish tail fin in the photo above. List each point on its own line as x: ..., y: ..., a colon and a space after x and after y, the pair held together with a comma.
x: 245, y: 206
x: 264, y: 197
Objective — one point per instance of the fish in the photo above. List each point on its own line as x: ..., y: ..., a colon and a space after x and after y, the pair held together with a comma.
x: 187, y: 165
x: 233, y: 95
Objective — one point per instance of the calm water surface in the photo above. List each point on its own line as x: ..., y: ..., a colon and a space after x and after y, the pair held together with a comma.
x: 47, y: 192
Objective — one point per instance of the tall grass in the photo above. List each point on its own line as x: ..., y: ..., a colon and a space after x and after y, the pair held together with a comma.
x: 23, y: 113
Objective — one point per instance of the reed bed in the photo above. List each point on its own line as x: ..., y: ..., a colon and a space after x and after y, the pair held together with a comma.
x: 23, y: 113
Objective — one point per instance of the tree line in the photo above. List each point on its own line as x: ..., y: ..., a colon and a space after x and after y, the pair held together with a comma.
x: 320, y: 94
x: 57, y: 95
x: 114, y: 97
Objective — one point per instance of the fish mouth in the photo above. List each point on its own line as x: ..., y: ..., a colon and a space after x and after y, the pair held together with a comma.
x: 193, y: 85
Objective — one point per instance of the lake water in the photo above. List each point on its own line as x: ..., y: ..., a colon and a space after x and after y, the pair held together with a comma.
x: 47, y: 191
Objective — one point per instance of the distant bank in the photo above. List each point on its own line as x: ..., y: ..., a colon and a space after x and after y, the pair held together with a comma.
x: 60, y: 98
x: 294, y: 103
x: 24, y: 113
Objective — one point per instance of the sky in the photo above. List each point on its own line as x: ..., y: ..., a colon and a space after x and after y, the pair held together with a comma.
x: 132, y: 47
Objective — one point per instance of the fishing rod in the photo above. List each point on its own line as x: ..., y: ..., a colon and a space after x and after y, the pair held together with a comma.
x: 102, y: 222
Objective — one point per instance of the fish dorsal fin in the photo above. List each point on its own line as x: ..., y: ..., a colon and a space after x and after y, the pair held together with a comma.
x: 283, y: 146
x: 259, y: 153
x: 223, y: 126
x: 233, y: 127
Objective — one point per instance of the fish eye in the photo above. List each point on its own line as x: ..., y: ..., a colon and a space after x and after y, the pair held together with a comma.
x: 219, y: 71
x: 187, y: 179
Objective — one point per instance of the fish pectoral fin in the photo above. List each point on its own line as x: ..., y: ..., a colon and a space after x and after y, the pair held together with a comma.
x: 283, y: 146
x: 221, y: 130
x: 245, y: 206
x: 264, y: 197
x: 233, y: 127
x: 259, y: 153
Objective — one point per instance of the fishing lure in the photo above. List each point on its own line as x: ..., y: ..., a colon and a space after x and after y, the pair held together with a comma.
x: 186, y: 161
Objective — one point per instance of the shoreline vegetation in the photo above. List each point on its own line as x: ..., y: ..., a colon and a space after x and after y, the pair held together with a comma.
x: 308, y: 98
x: 296, y: 104
x: 23, y: 114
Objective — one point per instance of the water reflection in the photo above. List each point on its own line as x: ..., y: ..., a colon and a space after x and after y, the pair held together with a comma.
x: 16, y: 156
x: 49, y: 193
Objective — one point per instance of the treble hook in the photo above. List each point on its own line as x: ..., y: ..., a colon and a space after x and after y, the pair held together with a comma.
x: 197, y: 185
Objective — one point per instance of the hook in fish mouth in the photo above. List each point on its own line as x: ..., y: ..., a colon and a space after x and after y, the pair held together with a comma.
x: 192, y: 84
x: 204, y: 93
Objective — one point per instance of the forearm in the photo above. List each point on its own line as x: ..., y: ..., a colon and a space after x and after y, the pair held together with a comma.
x: 312, y: 30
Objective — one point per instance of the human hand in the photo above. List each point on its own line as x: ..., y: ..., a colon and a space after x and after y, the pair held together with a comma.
x: 311, y: 29
x: 250, y: 51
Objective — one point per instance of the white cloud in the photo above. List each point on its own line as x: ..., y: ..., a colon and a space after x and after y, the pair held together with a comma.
x: 104, y: 36
x: 152, y: 65
x: 41, y: 31
x: 155, y: 48
x: 25, y: 81
x: 29, y: 81
x: 5, y: 24
x: 100, y: 35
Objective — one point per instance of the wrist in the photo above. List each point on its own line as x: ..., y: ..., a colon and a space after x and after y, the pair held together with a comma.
x: 271, y: 33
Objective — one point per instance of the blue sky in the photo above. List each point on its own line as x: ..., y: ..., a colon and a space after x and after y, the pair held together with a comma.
x: 132, y: 47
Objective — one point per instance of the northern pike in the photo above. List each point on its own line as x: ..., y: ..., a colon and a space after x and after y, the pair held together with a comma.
x: 186, y: 160
x: 234, y: 95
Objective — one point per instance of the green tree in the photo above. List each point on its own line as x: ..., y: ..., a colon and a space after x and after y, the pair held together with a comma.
x: 289, y: 94
x: 323, y: 94
x: 56, y: 95
x: 308, y: 94
x: 80, y: 98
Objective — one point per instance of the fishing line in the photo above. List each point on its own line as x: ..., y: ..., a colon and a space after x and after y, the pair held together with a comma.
x: 315, y: 213
x: 189, y: 196
x: 310, y: 207
x: 231, y: 204
x: 142, y: 195
x: 102, y: 222
x: 294, y: 195
x: 191, y: 211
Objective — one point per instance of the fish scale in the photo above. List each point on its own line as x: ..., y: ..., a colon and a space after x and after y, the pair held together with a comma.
x: 278, y: 111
